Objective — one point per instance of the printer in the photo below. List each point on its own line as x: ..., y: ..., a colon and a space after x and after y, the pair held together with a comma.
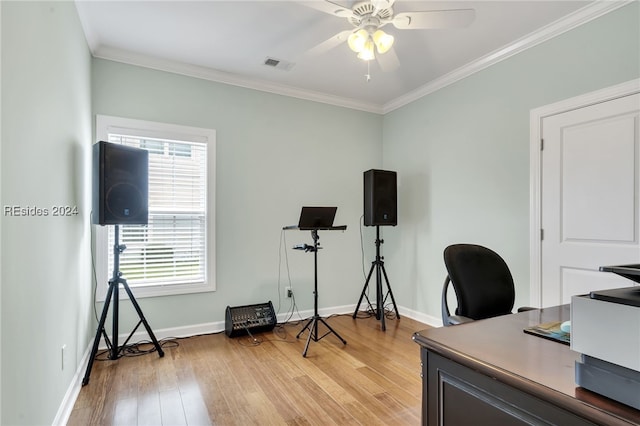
x: 605, y: 329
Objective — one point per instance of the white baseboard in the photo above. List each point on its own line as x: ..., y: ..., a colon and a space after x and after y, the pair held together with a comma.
x: 70, y: 397
x: 69, y: 400
x: 419, y: 316
x: 218, y: 326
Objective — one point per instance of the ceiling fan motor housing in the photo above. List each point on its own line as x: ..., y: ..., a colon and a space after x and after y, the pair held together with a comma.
x: 365, y: 10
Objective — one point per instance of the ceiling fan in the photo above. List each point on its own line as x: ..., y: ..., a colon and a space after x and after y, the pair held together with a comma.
x: 368, y: 17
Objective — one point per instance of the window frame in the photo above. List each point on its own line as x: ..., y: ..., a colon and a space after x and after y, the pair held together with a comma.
x: 150, y: 129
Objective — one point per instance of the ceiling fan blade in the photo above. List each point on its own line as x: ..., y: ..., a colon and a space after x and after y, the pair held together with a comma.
x: 329, y: 7
x: 328, y: 44
x: 434, y: 19
x: 388, y: 61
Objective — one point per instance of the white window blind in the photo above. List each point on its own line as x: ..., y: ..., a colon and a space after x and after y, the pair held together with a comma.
x: 172, y: 248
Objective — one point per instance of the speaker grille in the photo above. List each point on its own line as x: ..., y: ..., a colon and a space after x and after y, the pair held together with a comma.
x: 380, y: 198
x: 124, y: 201
x: 120, y: 184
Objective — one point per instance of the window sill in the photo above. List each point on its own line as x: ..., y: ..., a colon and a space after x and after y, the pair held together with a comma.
x: 158, y: 290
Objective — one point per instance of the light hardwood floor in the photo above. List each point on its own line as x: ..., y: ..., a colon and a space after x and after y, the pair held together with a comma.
x: 213, y: 380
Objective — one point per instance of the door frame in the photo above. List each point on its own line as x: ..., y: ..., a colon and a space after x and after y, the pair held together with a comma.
x: 536, y: 117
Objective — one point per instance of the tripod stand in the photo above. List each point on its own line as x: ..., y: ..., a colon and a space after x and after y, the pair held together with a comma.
x: 113, y: 291
x: 312, y: 324
x: 378, y: 265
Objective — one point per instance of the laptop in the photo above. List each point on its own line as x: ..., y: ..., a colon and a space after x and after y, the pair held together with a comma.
x: 316, y: 217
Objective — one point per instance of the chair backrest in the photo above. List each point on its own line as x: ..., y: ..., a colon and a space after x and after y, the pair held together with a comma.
x: 481, y: 279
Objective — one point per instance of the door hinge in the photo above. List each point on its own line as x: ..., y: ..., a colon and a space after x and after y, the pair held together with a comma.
x: 541, y: 234
x: 541, y: 144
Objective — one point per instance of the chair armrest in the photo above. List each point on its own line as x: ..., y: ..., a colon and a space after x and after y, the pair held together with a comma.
x: 444, y: 307
x: 459, y: 319
x: 447, y: 318
x: 526, y: 308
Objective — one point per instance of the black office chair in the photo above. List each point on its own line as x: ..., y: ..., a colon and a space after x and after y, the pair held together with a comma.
x: 482, y: 282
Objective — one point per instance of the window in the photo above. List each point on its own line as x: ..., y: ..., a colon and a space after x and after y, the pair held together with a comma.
x: 174, y: 252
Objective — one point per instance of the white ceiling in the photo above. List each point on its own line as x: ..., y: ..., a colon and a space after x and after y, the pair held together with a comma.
x: 229, y: 41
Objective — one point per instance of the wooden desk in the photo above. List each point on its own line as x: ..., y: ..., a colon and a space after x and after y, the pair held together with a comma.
x: 492, y: 373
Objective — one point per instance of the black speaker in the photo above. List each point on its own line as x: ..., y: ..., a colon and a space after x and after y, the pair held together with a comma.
x: 380, y: 198
x: 120, y: 184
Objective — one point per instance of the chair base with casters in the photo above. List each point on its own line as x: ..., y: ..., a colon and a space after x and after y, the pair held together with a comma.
x: 482, y: 282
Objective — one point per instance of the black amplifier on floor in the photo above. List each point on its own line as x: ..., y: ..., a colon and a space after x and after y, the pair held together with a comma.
x: 241, y: 320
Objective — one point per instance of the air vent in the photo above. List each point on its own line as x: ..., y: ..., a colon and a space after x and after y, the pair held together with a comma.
x: 278, y: 64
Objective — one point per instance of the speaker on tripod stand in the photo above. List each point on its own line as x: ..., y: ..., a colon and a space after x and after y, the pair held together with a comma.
x: 380, y: 198
x: 120, y: 197
x: 120, y: 185
x: 380, y: 209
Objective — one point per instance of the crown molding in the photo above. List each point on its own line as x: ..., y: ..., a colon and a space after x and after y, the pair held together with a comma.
x: 582, y: 16
x: 204, y: 73
x: 586, y: 14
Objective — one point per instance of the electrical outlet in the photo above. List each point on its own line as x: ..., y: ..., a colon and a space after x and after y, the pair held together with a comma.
x: 288, y: 292
x: 62, y: 356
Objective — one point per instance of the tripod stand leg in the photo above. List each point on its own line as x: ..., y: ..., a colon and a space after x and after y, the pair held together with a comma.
x: 390, y: 292
x: 364, y: 290
x: 96, y: 340
x: 379, y: 298
x: 142, y: 318
x: 313, y: 323
x: 304, y: 328
x: 333, y: 331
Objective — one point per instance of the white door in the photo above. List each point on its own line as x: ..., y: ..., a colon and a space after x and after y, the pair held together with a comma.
x: 590, y: 197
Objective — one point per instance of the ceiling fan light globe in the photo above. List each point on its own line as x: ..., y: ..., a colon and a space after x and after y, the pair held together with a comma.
x: 358, y: 40
x: 383, y: 41
x: 367, y: 54
x: 355, y: 43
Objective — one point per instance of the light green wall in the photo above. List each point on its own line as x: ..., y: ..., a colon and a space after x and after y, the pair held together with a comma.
x: 462, y: 153
x: 274, y: 155
x: 1, y: 216
x: 46, y: 140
